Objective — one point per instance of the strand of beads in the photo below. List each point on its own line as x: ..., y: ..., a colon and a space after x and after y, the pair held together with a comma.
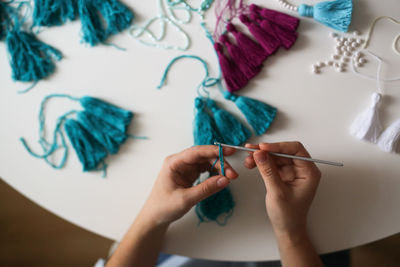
x: 346, y: 48
x: 287, y: 5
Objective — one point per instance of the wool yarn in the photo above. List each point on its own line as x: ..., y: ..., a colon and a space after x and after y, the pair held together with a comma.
x: 243, y: 59
x: 97, y: 130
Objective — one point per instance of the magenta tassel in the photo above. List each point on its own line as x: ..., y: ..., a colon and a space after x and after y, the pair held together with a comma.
x: 248, y: 68
x: 234, y: 78
x: 284, y: 20
x: 254, y: 52
x: 267, y: 40
x: 287, y: 38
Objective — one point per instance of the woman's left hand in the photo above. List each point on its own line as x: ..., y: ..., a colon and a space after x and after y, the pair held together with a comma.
x: 173, y: 193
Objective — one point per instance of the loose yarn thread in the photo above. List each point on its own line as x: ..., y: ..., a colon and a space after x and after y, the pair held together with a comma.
x: 100, y: 128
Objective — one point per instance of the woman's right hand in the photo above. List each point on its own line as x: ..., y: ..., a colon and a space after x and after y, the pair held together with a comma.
x: 291, y: 185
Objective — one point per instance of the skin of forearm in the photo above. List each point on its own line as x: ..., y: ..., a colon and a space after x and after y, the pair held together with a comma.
x: 297, y: 250
x: 141, y: 245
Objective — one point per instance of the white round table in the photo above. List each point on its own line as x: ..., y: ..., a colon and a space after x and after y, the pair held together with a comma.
x: 354, y: 205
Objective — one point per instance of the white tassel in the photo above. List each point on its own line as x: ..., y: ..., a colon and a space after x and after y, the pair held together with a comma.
x: 390, y: 137
x: 367, y: 125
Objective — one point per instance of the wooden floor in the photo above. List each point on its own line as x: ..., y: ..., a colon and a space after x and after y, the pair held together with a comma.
x: 31, y: 236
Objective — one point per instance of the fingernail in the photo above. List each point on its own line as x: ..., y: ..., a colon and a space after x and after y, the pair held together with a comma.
x: 260, y: 156
x: 222, y: 182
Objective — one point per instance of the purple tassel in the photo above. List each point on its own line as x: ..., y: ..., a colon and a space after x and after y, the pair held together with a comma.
x: 266, y: 39
x: 233, y: 76
x: 254, y: 52
x: 248, y: 68
x: 284, y: 20
x: 287, y: 38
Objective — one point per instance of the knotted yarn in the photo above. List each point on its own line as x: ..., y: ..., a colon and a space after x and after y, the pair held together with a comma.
x: 336, y: 14
x: 100, y: 128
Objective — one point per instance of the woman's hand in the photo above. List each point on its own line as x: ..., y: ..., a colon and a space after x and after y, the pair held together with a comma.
x: 173, y: 194
x: 291, y: 184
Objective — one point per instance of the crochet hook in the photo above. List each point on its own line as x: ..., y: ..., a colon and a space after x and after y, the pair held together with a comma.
x: 338, y: 164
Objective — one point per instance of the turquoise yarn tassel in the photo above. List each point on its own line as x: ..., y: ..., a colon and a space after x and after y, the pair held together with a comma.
x: 109, y: 136
x: 231, y: 129
x: 258, y: 114
x: 211, y: 208
x: 100, y: 19
x: 90, y: 152
x: 53, y: 12
x: 117, y: 117
x: 30, y: 59
x: 335, y: 14
x: 204, y: 129
x: 99, y: 129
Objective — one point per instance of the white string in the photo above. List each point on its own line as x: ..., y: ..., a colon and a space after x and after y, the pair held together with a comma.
x: 372, y: 27
x: 378, y: 74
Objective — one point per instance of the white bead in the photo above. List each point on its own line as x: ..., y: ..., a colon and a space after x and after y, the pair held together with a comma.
x: 343, y: 48
x: 316, y: 71
x: 350, y: 49
x: 356, y: 33
x: 336, y: 57
x: 329, y: 63
x: 354, y: 44
x: 321, y: 64
x: 337, y: 39
x: 345, y: 59
x: 346, y: 43
x: 348, y: 54
x: 341, y: 39
x: 357, y: 64
x: 337, y: 65
x: 362, y: 60
x: 360, y: 41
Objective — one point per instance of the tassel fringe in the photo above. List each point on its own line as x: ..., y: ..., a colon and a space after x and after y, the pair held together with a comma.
x: 389, y: 139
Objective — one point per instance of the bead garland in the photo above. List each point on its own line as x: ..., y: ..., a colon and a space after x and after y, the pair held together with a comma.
x: 287, y: 5
x: 347, y: 48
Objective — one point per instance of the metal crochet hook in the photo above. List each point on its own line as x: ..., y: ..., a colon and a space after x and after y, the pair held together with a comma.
x: 338, y: 164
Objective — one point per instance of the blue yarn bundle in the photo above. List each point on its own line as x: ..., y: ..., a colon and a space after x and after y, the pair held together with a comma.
x: 102, y: 18
x: 258, y: 114
x: 204, y: 129
x: 335, y: 14
x: 90, y: 152
x: 99, y: 129
x: 232, y: 131
x: 53, y: 12
x: 30, y: 58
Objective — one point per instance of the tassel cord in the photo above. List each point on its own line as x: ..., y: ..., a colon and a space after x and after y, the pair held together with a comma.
x: 371, y: 30
x: 377, y: 78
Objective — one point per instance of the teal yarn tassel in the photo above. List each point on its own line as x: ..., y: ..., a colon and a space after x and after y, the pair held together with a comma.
x: 53, y: 12
x: 30, y: 59
x: 109, y: 136
x: 211, y: 208
x: 204, y: 129
x: 335, y: 14
x: 90, y: 152
x: 231, y: 129
x: 100, y: 19
x: 258, y: 114
x: 117, y: 117
x: 98, y: 130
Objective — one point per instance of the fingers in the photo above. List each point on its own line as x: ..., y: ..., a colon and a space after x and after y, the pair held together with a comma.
x: 229, y: 171
x: 206, y: 188
x: 201, y: 154
x: 268, y: 170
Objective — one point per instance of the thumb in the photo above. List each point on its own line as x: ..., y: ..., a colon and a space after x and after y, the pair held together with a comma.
x: 268, y: 170
x: 207, y: 188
